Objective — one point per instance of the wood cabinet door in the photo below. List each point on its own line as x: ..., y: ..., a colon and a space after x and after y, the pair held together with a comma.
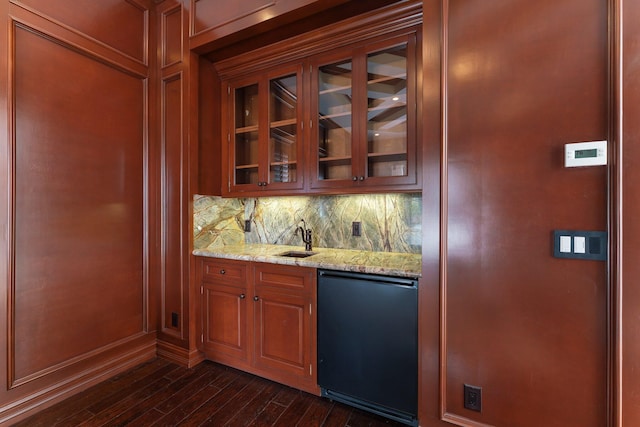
x: 363, y: 109
x: 283, y: 333
x: 225, y: 335
x: 263, y: 127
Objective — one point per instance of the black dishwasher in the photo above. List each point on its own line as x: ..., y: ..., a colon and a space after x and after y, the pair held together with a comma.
x: 368, y: 342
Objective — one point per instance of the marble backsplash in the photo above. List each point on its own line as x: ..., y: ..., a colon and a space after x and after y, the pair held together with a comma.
x: 389, y: 222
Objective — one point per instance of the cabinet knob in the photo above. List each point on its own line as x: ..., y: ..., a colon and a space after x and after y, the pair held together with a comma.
x: 222, y: 271
x: 259, y: 183
x: 256, y: 298
x: 242, y: 296
x: 361, y: 178
x: 355, y: 178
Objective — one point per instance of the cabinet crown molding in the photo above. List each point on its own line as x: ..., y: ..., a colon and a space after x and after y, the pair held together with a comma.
x: 395, y: 18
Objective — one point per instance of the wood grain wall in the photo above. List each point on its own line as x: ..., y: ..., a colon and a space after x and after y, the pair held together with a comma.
x: 519, y: 80
x: 626, y: 87
x: 178, y: 111
x: 77, y: 250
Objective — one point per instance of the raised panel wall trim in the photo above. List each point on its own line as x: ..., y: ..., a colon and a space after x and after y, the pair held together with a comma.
x: 53, y: 370
x: 617, y: 406
x: 111, y: 363
x: 167, y: 48
x: 77, y: 42
x: 433, y: 202
x: 444, y: 205
x: 173, y: 278
x: 143, y: 56
x: 195, y: 30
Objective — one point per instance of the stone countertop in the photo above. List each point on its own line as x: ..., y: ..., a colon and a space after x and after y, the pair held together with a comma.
x: 386, y: 263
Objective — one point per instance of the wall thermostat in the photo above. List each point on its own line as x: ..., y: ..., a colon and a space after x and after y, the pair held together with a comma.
x: 591, y: 153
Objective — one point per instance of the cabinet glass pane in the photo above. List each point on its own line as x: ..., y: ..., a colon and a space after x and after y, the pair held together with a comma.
x: 246, y: 106
x: 283, y: 126
x: 335, y: 121
x: 246, y: 161
x: 387, y: 112
x: 246, y: 135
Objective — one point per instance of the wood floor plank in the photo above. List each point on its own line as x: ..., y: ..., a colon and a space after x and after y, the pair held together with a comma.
x: 217, y: 402
x: 75, y: 419
x: 316, y: 414
x: 365, y: 419
x: 286, y: 396
x: 227, y: 410
x: 268, y: 416
x: 160, y: 395
x: 142, y: 406
x: 112, y: 412
x: 217, y: 373
x: 189, y: 406
x: 59, y: 412
x: 255, y: 406
x: 163, y: 394
x: 295, y: 411
x: 148, y: 418
x: 123, y: 392
x: 338, y: 416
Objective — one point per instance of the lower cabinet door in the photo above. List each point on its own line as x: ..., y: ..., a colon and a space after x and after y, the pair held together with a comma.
x: 225, y: 322
x: 283, y: 333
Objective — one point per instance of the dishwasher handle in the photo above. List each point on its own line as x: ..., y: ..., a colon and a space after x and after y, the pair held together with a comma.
x: 390, y: 280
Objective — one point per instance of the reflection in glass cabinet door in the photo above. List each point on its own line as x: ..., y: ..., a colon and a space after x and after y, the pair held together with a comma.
x: 387, y: 112
x: 335, y: 121
x: 283, y: 125
x: 246, y: 135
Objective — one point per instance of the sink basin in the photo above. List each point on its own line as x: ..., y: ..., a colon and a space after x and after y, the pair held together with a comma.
x: 296, y: 254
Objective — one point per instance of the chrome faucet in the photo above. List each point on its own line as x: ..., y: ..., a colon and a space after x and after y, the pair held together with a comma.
x: 306, y: 234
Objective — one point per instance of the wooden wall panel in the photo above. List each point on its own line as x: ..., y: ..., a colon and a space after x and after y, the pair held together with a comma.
x: 173, y: 201
x: 79, y: 242
x: 628, y: 295
x: 433, y: 196
x: 178, y: 96
x: 522, y: 79
x: 78, y: 215
x: 209, y: 140
x: 172, y: 36
x: 121, y: 24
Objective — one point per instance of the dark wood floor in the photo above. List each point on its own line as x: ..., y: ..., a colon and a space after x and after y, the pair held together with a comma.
x: 161, y: 393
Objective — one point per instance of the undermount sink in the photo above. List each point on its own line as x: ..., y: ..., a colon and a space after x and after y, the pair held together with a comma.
x: 296, y: 254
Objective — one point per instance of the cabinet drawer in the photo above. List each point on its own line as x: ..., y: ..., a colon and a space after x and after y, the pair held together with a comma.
x: 292, y: 278
x: 225, y: 271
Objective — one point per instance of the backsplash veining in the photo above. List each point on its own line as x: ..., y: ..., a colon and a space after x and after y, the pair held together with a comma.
x: 390, y: 222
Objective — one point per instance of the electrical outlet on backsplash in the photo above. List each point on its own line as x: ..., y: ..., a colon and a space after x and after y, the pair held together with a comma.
x: 389, y: 222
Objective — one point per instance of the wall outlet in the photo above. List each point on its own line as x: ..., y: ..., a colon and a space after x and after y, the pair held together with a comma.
x: 355, y: 229
x: 473, y: 397
x: 247, y: 225
x: 174, y: 319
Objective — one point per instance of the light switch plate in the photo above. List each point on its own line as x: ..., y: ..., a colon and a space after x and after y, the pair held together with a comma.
x: 575, y: 244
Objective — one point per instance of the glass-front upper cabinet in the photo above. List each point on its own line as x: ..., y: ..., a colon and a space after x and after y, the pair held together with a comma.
x: 364, y: 107
x: 264, y: 148
x: 335, y: 124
